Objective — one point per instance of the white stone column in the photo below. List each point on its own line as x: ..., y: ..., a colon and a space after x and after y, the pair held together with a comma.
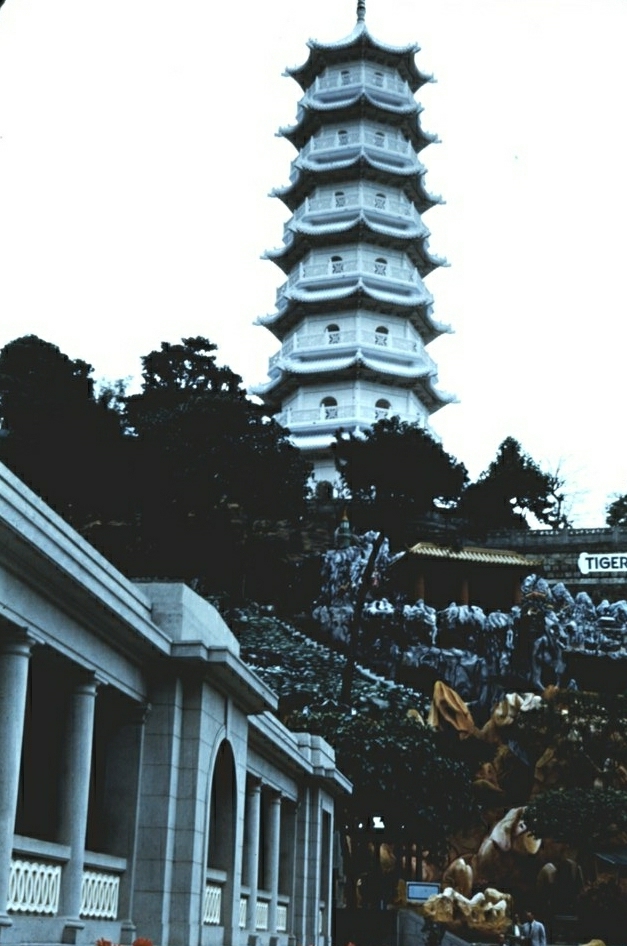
x: 132, y: 773
x: 75, y: 774
x: 253, y: 820
x: 274, y: 847
x: 14, y: 657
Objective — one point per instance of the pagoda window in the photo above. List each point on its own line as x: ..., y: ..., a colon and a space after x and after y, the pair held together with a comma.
x: 379, y: 139
x: 380, y: 201
x: 381, y: 335
x: 378, y: 79
x: 340, y: 199
x: 345, y: 76
x: 337, y: 264
x: 382, y: 409
x: 333, y: 334
x: 342, y: 137
x: 380, y: 266
x: 328, y: 408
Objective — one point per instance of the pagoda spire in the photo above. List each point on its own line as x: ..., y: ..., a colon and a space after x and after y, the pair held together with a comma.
x: 361, y: 11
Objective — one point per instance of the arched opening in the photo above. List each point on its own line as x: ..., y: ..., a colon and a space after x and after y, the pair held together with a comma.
x: 379, y: 139
x: 337, y: 264
x: 378, y: 79
x: 382, y: 409
x: 328, y: 408
x: 218, y: 894
x: 380, y: 266
x: 380, y: 201
x: 332, y: 333
x: 342, y: 137
x: 381, y: 335
x: 340, y: 199
x: 221, y: 845
x: 345, y: 76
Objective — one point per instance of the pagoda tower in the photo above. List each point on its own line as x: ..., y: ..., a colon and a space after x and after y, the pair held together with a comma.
x: 354, y: 316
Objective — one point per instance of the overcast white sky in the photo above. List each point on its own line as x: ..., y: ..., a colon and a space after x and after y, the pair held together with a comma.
x: 137, y: 150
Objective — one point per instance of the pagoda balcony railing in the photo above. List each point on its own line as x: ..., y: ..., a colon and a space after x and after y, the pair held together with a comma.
x: 361, y: 74
x: 345, y: 202
x: 332, y: 416
x: 335, y: 86
x: 342, y: 144
x: 362, y: 262
x: 330, y: 342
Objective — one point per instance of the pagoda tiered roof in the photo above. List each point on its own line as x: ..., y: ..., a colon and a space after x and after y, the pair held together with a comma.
x: 313, y: 117
x: 304, y: 179
x: 290, y: 375
x: 359, y: 45
x: 414, y: 241
x: 281, y: 322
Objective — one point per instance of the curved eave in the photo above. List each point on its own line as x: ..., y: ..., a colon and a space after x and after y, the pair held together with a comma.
x: 305, y: 179
x: 413, y: 242
x: 308, y: 441
x: 282, y: 322
x: 290, y: 377
x: 311, y: 119
x: 359, y: 45
x: 415, y: 295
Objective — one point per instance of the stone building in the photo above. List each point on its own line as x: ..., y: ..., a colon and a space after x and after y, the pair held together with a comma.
x: 146, y: 787
x: 590, y: 560
x: 354, y: 317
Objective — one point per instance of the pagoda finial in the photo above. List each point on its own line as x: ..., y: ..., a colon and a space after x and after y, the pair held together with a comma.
x: 361, y: 11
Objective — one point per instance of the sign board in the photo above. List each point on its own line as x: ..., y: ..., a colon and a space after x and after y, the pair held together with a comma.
x: 602, y: 562
x: 418, y: 891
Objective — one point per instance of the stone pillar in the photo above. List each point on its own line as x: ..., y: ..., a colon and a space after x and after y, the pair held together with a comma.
x: 253, y: 819
x: 14, y: 657
x: 75, y: 774
x: 129, y: 775
x: 301, y: 887
x: 274, y: 847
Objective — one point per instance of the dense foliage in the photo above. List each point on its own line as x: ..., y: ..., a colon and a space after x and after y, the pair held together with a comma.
x: 586, y: 818
x: 616, y: 512
x: 513, y: 493
x: 56, y: 435
x: 398, y: 471
x: 417, y: 780
x: 187, y: 479
x: 577, y: 739
x: 217, y: 473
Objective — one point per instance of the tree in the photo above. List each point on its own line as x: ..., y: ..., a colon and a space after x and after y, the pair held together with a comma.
x: 585, y: 818
x: 399, y: 471
x: 616, y: 512
x: 55, y: 434
x: 408, y: 774
x: 216, y: 473
x: 512, y: 493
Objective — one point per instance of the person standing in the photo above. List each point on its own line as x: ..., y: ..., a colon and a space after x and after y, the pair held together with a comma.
x: 516, y: 934
x: 533, y: 931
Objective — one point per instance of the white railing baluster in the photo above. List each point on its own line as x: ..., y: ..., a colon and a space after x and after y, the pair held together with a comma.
x: 212, y: 905
x: 34, y: 887
x: 99, y: 895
